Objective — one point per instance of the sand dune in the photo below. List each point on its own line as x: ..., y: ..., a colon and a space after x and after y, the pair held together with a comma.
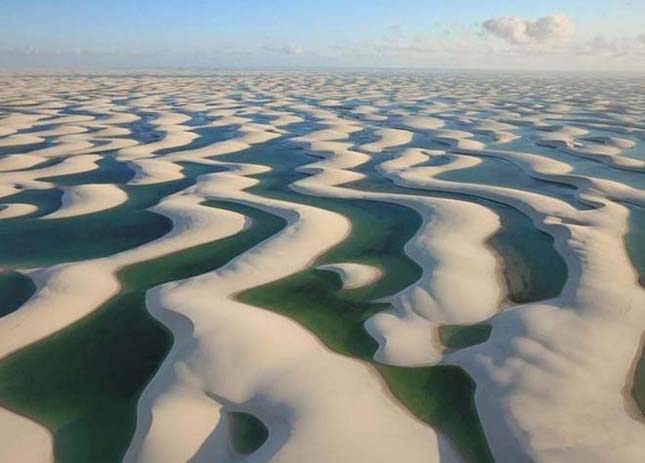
x: 9, y: 211
x: 552, y: 379
x: 448, y: 239
x: 585, y: 300
x: 353, y: 275
x: 87, y: 199
x: 302, y: 395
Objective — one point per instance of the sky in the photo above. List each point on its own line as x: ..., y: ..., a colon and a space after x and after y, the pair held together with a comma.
x: 484, y: 34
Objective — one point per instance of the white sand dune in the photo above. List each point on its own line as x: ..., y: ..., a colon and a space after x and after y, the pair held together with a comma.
x: 353, y: 275
x: 24, y: 440
x: 65, y: 145
x: 584, y: 307
x: 20, y: 140
x: 369, y: 113
x: 86, y: 199
x: 419, y: 123
x: 550, y: 381
x: 315, y: 391
x: 11, y: 210
x: 388, y: 138
x: 77, y: 289
x: 58, y: 131
x: 18, y: 162
x: 448, y: 291
x: 149, y: 171
x: 456, y: 139
x: 15, y: 121
x: 175, y: 135
x: 14, y: 182
x: 59, y: 285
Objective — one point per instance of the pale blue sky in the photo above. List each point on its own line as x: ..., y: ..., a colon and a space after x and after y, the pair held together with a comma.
x: 328, y: 32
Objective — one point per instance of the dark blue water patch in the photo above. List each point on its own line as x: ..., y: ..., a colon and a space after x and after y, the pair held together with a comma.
x: 426, y: 141
x: 196, y: 118
x: 207, y: 136
x: 93, y: 130
x: 302, y: 128
x: 260, y: 118
x: 109, y: 170
x: 25, y: 149
x: 33, y: 243
x: 36, y: 242
x: 38, y: 128
x: 71, y: 111
x: 41, y: 165
x: 46, y: 201
x: 26, y: 109
x: 192, y: 170
x: 437, y: 160
x: 351, y: 104
x: 15, y: 289
x: 349, y: 114
x: 363, y: 137
x: 142, y: 130
x: 503, y: 173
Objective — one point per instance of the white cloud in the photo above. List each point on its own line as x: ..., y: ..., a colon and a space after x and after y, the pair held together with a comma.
x: 285, y: 50
x: 555, y: 29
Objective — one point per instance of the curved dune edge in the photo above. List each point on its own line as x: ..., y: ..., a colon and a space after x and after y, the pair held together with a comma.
x: 149, y: 171
x: 88, y: 199
x: 452, y: 230
x: 353, y: 275
x: 631, y: 450
x: 559, y: 364
x: 169, y: 123
x: 574, y: 140
x: 193, y: 224
x: 77, y: 289
x: 18, y: 161
x: 316, y: 388
x: 23, y: 439
x: 148, y: 445
x: 601, y: 287
x: 9, y: 211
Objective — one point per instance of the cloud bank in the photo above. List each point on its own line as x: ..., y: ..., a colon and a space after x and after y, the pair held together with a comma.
x: 555, y: 29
